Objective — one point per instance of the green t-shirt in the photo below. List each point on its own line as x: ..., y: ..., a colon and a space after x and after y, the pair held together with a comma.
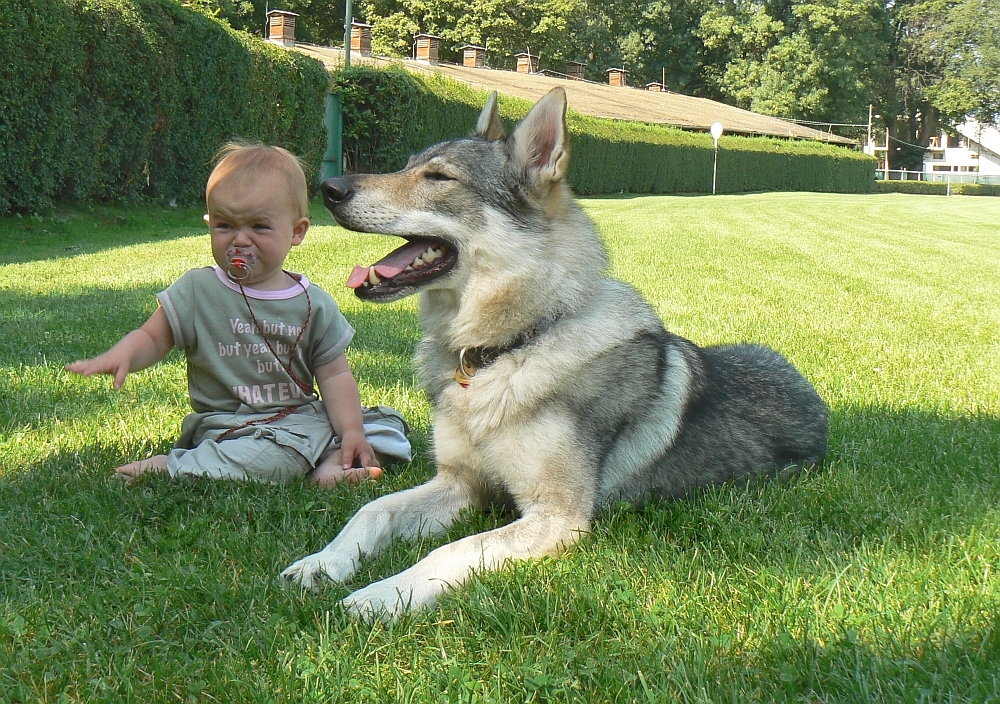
x: 229, y: 366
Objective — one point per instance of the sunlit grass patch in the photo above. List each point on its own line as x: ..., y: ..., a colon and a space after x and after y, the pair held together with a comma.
x: 874, y: 577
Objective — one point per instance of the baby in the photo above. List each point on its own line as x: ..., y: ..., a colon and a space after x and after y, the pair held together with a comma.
x: 255, y: 337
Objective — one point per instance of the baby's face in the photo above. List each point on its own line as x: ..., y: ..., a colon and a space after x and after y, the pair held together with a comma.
x: 254, y: 220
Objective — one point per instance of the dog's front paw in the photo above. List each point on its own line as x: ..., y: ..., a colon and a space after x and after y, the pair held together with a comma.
x: 388, y: 599
x: 317, y: 568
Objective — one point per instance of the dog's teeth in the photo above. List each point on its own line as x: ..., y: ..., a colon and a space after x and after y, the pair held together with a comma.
x: 373, y: 277
x: 408, y: 268
x: 429, y: 254
x: 365, y: 284
x: 418, y: 262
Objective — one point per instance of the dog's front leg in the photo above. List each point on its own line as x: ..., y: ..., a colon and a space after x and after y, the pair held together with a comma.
x: 535, y: 535
x: 424, y: 510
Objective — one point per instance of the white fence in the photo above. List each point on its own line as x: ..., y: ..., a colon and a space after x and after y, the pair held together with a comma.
x: 935, y: 176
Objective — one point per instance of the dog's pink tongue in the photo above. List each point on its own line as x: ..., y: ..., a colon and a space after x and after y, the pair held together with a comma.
x: 357, y: 277
x: 390, y: 265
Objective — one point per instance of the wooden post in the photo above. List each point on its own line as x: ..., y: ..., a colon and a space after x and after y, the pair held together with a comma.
x: 576, y: 70
x: 361, y: 38
x: 427, y: 48
x: 526, y: 63
x: 617, y: 77
x: 282, y: 28
x: 473, y: 56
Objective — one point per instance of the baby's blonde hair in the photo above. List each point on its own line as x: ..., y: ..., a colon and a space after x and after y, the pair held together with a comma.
x: 248, y: 161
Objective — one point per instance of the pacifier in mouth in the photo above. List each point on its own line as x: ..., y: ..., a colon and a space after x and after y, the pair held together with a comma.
x: 240, y: 265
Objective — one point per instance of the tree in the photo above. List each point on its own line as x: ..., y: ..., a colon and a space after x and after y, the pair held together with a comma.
x: 505, y: 27
x: 953, y: 57
x: 820, y: 60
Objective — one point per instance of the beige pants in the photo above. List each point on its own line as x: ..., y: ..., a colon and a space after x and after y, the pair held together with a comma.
x: 273, y: 454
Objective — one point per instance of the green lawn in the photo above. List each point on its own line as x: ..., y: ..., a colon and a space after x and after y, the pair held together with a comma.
x: 875, y: 577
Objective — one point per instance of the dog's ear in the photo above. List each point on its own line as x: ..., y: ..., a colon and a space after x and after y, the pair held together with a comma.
x: 540, y: 143
x: 489, y: 126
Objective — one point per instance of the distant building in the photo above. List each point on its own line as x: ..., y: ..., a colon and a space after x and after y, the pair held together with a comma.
x: 975, y: 152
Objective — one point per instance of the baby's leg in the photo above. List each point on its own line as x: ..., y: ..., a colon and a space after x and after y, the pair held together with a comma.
x: 156, y: 463
x: 330, y: 472
x: 253, y: 458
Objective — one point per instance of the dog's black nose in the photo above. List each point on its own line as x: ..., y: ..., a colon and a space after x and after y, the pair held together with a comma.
x: 336, y: 190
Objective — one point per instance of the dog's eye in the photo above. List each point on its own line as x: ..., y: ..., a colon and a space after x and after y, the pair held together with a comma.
x: 437, y: 176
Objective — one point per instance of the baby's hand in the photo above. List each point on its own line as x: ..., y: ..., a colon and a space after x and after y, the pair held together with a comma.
x: 354, y: 446
x: 116, y: 365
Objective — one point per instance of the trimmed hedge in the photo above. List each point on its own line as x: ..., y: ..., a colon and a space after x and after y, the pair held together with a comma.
x: 389, y: 114
x: 975, y: 189
x: 927, y: 188
x: 119, y: 100
x: 936, y: 188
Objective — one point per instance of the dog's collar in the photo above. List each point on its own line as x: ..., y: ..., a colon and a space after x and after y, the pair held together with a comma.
x: 472, y: 359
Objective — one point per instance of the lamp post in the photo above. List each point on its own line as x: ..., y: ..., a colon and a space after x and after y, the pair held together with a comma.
x: 348, y: 20
x: 716, y: 133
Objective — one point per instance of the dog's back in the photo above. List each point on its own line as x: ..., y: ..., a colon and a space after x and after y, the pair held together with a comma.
x: 664, y: 416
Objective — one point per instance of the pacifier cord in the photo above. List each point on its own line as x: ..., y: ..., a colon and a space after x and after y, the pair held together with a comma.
x: 306, y: 388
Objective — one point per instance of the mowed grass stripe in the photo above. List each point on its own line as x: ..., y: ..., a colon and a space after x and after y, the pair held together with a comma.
x: 873, y: 577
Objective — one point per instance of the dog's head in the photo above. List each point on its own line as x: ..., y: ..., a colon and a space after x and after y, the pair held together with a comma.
x: 479, y: 204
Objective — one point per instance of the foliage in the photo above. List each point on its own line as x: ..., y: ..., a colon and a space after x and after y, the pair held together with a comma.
x: 934, y: 188
x: 975, y: 189
x: 926, y: 188
x: 815, y: 60
x: 921, y: 64
x: 504, y: 27
x: 953, y: 49
x: 124, y: 99
x: 389, y: 114
x: 393, y: 35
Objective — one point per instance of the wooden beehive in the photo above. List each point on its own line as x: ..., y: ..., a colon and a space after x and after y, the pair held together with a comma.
x: 473, y: 56
x: 656, y: 87
x: 616, y: 77
x: 576, y: 70
x: 361, y: 38
x: 281, y: 27
x: 427, y: 48
x: 526, y: 63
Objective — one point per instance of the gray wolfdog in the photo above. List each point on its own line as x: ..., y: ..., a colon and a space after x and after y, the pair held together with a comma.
x: 555, y: 390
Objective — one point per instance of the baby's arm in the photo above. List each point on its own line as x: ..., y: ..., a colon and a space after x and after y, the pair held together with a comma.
x: 342, y: 401
x: 139, y: 349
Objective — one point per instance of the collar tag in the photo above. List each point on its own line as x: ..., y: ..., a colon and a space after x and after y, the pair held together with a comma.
x: 466, y: 369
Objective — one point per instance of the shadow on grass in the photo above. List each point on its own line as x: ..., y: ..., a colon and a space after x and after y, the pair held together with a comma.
x: 71, y: 232
x: 876, y: 489
x: 175, y: 573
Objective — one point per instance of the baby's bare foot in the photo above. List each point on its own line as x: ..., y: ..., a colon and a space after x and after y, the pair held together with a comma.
x: 156, y: 463
x: 329, y: 473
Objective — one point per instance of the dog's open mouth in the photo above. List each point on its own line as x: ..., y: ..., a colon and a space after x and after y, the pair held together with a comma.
x: 404, y: 269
